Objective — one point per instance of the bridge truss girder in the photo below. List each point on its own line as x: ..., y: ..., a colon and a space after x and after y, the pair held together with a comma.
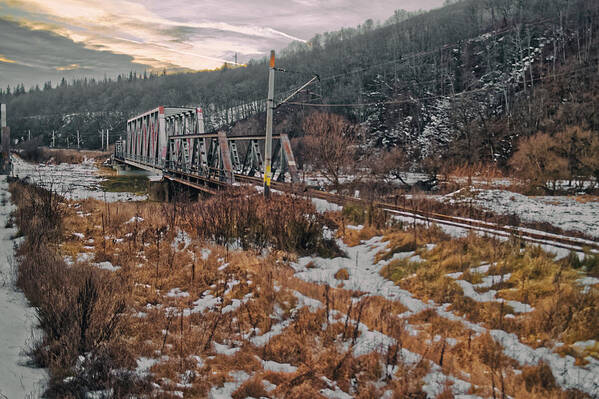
x: 219, y: 158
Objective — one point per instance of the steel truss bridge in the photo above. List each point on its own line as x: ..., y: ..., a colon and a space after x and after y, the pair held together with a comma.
x: 172, y: 142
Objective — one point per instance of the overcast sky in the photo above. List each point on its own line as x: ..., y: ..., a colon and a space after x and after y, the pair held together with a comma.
x: 47, y: 39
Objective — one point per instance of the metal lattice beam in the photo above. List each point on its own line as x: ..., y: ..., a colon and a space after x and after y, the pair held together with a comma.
x: 173, y: 141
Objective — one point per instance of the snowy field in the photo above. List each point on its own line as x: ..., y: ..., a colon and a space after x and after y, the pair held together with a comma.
x: 74, y: 181
x: 17, y: 380
x: 563, y: 212
x: 367, y: 278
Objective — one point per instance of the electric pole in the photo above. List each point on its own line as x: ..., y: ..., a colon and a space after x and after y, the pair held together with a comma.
x: 29, y: 135
x: 107, y: 139
x: 102, y: 138
x: 78, y: 139
x: 53, y: 139
x: 270, y: 105
x: 2, y: 116
x: 5, y: 141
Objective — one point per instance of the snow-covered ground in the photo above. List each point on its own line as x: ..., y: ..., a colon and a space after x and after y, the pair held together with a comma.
x: 17, y: 380
x: 563, y: 212
x: 364, y: 276
x: 74, y: 181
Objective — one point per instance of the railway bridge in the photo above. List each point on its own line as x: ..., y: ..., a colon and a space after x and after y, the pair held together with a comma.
x: 172, y: 142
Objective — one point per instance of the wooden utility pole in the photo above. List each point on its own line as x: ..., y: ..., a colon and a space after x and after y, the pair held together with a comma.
x: 270, y: 105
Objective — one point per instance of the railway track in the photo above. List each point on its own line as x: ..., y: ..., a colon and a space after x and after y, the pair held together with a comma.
x: 420, y: 216
x: 408, y: 214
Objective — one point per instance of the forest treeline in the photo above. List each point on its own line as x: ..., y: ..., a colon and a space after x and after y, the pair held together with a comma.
x: 462, y: 84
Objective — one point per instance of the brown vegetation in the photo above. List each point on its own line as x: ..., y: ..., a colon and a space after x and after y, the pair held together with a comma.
x: 571, y: 155
x: 38, y: 154
x: 80, y: 310
x: 199, y: 311
x: 286, y: 222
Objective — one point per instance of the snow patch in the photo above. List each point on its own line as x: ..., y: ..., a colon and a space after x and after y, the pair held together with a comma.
x: 563, y: 212
x: 107, y: 266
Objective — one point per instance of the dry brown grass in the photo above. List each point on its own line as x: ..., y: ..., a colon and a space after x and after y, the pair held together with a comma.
x: 585, y: 199
x: 57, y: 156
x: 242, y: 217
x: 561, y: 312
x: 254, y: 294
x: 342, y: 274
x: 79, y: 309
x: 353, y: 236
x: 479, y: 170
x: 253, y: 388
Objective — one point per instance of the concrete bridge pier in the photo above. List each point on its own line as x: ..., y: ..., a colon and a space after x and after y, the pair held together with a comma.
x: 159, y: 190
x: 166, y: 190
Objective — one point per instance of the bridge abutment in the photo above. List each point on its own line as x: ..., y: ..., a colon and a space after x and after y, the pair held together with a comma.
x: 127, y: 170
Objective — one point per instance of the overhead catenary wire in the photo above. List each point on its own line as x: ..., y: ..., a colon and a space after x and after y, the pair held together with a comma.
x: 400, y: 60
x: 411, y: 100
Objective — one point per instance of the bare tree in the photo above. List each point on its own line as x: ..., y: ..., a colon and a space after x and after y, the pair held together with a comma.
x: 330, y: 145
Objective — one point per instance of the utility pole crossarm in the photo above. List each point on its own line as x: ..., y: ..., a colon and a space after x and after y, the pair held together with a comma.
x: 316, y: 77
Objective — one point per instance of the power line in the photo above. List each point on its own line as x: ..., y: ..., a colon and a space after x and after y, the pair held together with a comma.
x: 402, y: 60
x: 461, y: 94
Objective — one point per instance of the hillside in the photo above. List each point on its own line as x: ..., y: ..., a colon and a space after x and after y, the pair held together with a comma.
x: 460, y: 84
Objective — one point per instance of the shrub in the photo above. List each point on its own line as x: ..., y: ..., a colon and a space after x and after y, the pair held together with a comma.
x: 40, y: 213
x: 252, y: 388
x: 538, y: 377
x: 244, y: 218
x: 79, y: 308
x: 342, y: 274
x: 354, y: 213
x: 34, y: 152
x: 330, y: 145
x: 543, y: 160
